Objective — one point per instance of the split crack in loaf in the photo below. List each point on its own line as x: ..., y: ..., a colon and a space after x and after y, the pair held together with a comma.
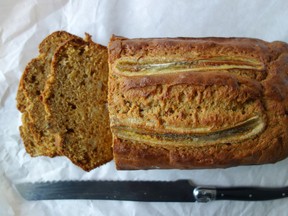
x: 178, y: 103
x: 197, y: 102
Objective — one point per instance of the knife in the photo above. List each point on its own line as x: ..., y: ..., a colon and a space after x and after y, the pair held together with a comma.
x: 145, y: 191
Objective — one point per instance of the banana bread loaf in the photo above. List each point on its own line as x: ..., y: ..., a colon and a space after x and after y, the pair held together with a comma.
x: 197, y: 102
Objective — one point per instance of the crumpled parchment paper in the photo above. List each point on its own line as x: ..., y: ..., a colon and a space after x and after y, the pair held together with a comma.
x: 23, y: 24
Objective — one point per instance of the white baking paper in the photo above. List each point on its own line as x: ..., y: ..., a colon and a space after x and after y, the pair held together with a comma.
x: 23, y: 24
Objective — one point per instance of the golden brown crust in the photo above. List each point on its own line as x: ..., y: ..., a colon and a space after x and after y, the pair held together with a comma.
x: 197, y: 102
x: 267, y: 148
x: 183, y: 47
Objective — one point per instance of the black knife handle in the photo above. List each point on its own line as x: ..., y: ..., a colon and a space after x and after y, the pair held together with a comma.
x: 206, y: 194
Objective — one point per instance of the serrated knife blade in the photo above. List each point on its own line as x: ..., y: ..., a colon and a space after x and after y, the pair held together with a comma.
x: 145, y: 191
x: 179, y: 191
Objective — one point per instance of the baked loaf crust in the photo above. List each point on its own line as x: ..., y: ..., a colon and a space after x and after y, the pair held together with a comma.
x: 37, y: 140
x: 75, y: 99
x: 197, y: 102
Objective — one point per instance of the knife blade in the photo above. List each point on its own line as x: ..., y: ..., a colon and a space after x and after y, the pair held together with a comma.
x: 145, y: 191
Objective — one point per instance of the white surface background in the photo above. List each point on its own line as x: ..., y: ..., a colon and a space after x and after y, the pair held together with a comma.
x: 23, y: 24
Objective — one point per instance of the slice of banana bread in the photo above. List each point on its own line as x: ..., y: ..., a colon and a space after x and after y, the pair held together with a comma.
x: 37, y: 140
x: 75, y: 99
